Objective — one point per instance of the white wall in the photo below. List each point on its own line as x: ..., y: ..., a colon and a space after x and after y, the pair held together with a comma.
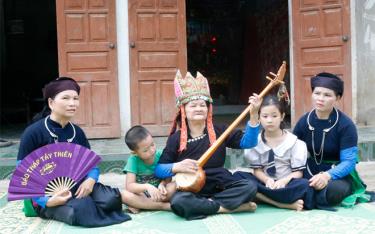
x: 354, y: 75
x: 123, y: 64
x: 364, y: 60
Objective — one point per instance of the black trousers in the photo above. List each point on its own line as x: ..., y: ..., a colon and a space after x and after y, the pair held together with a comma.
x: 294, y: 190
x: 334, y: 192
x: 102, y: 207
x: 197, y: 206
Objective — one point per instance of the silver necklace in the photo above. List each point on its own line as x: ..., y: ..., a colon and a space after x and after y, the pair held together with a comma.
x: 325, y: 131
x: 54, y: 136
x: 196, y: 138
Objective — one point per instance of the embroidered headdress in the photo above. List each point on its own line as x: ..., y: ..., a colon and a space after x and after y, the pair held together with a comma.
x: 187, y: 89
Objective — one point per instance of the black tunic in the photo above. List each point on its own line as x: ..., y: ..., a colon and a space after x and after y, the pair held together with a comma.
x: 101, y: 208
x: 221, y: 187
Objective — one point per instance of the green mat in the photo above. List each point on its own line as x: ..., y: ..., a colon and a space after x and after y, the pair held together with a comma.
x: 360, y: 219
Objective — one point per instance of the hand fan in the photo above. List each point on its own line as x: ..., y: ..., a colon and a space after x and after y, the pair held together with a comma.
x: 50, y: 169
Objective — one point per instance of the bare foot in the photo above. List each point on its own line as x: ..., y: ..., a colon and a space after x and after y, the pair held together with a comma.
x: 297, y: 205
x: 165, y: 206
x: 133, y: 210
x: 142, y: 202
x: 249, y: 206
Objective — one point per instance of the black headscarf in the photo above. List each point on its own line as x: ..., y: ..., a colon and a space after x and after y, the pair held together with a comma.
x: 51, y: 89
x: 61, y: 84
x: 329, y: 81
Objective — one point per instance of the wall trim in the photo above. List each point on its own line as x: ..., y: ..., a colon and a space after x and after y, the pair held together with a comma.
x: 353, y: 48
x: 291, y: 62
x: 122, y: 26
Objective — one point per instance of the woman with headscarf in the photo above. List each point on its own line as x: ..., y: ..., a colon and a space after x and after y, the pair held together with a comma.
x: 331, y: 138
x: 90, y: 203
x: 222, y: 193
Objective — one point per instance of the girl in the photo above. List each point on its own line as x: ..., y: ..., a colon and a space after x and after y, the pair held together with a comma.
x: 278, y: 161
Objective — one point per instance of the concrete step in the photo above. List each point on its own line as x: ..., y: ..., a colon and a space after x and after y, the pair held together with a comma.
x: 366, y: 145
x: 115, y: 153
x: 365, y: 169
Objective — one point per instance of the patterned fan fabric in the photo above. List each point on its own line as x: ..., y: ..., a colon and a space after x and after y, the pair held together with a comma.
x: 49, y: 169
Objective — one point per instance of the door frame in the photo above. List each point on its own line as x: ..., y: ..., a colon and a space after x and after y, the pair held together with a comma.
x: 353, y: 65
x: 123, y: 61
x: 92, y: 62
x: 291, y: 63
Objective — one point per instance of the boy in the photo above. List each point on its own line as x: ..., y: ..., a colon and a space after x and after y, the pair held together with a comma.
x: 139, y: 169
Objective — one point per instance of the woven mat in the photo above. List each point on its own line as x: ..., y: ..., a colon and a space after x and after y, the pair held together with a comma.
x: 360, y: 219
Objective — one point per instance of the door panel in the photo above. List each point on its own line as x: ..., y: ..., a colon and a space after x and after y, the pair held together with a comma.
x: 157, y: 36
x: 319, y: 30
x: 87, y: 52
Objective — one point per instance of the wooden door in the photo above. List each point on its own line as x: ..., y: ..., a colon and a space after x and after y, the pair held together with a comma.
x: 321, y: 43
x: 86, y: 31
x: 157, y: 36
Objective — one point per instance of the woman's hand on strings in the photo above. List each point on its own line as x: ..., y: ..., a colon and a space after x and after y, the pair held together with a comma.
x: 85, y: 188
x: 59, y: 198
x: 186, y: 165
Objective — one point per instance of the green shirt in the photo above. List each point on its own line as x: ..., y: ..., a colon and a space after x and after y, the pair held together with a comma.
x: 144, y: 172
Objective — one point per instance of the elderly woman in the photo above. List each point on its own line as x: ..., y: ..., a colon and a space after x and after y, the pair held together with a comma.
x: 222, y: 193
x: 331, y: 138
x: 90, y: 204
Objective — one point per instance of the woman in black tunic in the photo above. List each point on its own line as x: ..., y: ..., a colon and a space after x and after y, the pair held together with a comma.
x: 222, y: 192
x: 331, y: 138
x: 90, y: 203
